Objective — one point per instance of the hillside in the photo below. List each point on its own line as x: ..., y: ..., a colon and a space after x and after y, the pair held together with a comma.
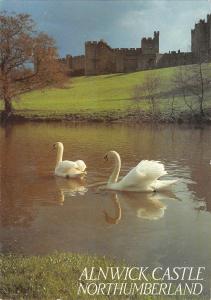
x: 89, y: 94
x: 100, y: 95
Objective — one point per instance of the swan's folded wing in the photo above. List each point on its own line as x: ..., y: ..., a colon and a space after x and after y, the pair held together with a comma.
x: 81, y: 165
x: 143, y: 175
x: 151, y: 169
x: 66, y: 167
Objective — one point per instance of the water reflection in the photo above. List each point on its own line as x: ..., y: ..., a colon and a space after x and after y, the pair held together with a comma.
x: 117, y: 211
x: 70, y: 188
x: 147, y: 206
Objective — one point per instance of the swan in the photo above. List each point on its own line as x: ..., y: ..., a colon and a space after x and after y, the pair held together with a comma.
x: 67, y: 168
x: 143, y: 178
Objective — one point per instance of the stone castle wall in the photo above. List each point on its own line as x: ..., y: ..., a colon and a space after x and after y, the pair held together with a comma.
x: 75, y: 64
x: 126, y: 59
x: 100, y: 58
x: 173, y: 59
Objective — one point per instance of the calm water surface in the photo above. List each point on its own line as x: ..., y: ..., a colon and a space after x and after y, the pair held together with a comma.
x: 40, y: 213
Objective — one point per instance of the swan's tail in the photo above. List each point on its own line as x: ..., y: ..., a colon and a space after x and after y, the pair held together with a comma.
x: 159, y: 185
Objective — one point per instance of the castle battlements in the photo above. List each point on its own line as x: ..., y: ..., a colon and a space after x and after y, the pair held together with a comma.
x: 126, y: 49
x: 147, y: 39
x: 75, y: 57
x: 90, y: 43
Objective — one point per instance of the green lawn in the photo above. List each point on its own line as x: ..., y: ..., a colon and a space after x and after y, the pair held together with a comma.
x: 92, y: 94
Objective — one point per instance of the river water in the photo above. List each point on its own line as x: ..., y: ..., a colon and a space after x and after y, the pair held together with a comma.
x: 40, y: 213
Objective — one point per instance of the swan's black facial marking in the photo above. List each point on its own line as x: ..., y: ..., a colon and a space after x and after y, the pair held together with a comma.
x: 54, y: 146
x: 106, y: 157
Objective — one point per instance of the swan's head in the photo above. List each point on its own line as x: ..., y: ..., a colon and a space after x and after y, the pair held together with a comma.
x: 57, y: 145
x: 110, y: 155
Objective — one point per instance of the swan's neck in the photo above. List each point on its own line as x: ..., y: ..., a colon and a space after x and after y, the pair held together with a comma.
x: 114, y: 176
x: 59, y: 154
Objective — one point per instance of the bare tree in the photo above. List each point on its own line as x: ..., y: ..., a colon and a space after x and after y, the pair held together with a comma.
x: 179, y: 80
x: 198, y: 83
x: 172, y: 106
x: 193, y: 83
x: 28, y: 60
x: 149, y: 90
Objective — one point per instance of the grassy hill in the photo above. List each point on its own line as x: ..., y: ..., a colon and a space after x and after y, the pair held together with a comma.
x: 89, y: 94
x: 100, y: 95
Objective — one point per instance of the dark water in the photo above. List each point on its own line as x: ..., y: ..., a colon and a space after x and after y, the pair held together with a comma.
x: 40, y: 213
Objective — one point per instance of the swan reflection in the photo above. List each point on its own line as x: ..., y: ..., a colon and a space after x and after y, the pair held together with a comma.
x: 117, y: 211
x: 70, y: 188
x: 146, y: 206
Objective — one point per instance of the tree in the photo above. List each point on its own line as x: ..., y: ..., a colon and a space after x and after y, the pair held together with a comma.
x: 149, y: 90
x: 179, y: 80
x: 193, y: 82
x: 198, y: 83
x: 28, y: 60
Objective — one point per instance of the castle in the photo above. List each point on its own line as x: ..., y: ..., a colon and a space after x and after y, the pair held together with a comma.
x: 100, y: 58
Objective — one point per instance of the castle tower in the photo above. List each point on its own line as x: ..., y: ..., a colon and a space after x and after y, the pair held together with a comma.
x: 201, y: 38
x: 91, y: 58
x: 156, y: 41
x: 68, y: 61
x: 150, y: 45
x: 209, y: 34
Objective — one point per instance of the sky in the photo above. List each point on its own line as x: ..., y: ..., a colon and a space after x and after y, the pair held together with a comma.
x: 122, y: 23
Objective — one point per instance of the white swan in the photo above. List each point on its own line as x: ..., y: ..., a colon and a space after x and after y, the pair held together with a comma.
x: 143, y: 178
x: 67, y: 168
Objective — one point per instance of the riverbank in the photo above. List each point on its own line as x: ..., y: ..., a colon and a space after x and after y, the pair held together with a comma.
x: 130, y: 116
